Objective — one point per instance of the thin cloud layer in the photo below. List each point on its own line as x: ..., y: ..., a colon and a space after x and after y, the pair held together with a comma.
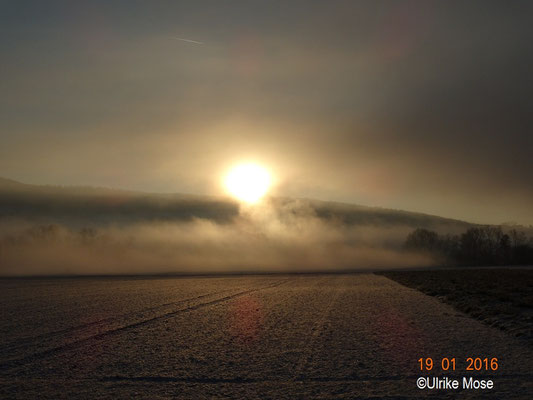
x: 418, y: 105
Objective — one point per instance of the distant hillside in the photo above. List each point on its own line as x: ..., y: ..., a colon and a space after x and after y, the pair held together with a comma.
x: 87, y: 205
x: 360, y: 215
x: 94, y: 206
x: 9, y: 182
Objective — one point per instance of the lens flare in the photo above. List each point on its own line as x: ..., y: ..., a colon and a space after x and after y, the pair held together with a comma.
x: 248, y: 182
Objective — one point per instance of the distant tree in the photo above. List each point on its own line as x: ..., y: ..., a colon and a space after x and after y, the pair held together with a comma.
x: 87, y: 234
x: 482, y: 245
x: 505, y: 249
x: 422, y: 240
x: 517, y: 238
x: 43, y: 231
x: 450, y: 247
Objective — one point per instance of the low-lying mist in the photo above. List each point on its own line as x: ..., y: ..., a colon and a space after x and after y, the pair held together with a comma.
x: 273, y: 237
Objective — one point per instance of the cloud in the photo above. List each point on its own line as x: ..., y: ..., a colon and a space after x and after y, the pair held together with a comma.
x: 188, y: 40
x: 416, y: 105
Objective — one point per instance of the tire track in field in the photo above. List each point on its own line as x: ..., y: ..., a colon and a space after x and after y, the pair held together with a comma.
x: 20, y: 362
x: 98, y: 325
x: 310, y: 340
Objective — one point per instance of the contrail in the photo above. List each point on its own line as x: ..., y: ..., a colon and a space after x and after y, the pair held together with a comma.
x: 188, y: 40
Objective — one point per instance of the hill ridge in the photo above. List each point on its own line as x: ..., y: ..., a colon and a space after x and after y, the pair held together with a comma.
x: 85, y: 202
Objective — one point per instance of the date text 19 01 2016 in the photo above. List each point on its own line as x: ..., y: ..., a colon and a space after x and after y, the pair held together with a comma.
x: 450, y: 364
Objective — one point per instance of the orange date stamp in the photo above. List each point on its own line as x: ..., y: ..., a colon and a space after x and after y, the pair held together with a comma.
x: 453, y: 364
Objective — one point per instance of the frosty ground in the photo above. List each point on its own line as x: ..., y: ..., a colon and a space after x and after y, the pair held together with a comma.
x: 500, y: 297
x: 272, y: 336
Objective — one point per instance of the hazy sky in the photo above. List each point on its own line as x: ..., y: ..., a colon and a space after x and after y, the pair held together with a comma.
x: 424, y: 106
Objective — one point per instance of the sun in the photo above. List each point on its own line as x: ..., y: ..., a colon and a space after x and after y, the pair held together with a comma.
x: 248, y: 182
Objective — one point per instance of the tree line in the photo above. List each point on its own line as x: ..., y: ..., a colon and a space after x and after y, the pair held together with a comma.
x: 484, y: 245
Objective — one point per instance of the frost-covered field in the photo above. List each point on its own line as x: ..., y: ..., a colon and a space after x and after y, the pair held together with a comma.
x: 277, y: 336
x: 500, y: 297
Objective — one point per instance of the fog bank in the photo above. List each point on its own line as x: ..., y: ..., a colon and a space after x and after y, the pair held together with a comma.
x: 282, y: 238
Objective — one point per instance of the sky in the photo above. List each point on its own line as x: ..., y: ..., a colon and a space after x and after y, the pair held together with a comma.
x: 416, y: 105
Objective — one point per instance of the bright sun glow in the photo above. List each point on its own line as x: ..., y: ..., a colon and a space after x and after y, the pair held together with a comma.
x: 248, y: 182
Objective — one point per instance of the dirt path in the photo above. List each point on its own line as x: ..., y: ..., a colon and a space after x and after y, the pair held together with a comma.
x: 324, y: 336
